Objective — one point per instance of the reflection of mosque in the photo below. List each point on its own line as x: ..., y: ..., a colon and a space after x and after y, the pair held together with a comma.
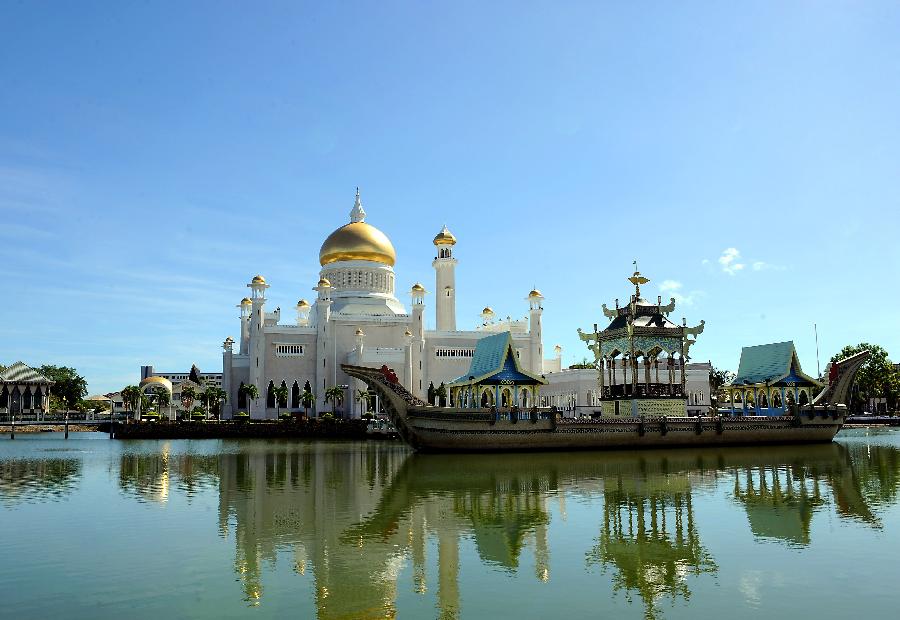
x: 352, y: 517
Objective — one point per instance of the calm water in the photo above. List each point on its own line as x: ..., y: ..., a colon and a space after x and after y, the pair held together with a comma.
x: 93, y: 528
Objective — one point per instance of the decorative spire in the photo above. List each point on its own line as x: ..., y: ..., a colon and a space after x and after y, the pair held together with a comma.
x: 637, y: 279
x: 357, y: 214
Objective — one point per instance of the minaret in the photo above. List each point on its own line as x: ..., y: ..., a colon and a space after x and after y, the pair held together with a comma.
x: 324, y: 332
x: 417, y: 346
x: 227, y: 369
x: 535, y: 334
x: 246, y: 307
x: 445, y: 281
x: 257, y: 342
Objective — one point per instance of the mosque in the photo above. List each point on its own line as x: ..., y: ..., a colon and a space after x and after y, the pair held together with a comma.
x: 357, y: 318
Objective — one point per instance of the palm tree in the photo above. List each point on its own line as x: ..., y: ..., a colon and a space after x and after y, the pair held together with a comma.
x: 364, y: 398
x: 209, y: 396
x: 334, y: 394
x: 251, y: 393
x: 188, y: 394
x: 281, y: 394
x: 131, y: 396
x: 307, y: 398
x: 221, y: 397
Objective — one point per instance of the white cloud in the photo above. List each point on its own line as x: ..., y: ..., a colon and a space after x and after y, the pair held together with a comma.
x: 730, y: 261
x: 763, y: 266
x: 673, y: 288
x: 669, y: 285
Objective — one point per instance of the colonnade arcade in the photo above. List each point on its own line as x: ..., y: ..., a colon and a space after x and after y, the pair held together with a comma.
x: 767, y: 399
x: 655, y: 373
x: 501, y: 395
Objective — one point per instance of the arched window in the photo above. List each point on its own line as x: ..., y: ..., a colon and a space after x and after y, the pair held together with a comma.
x: 270, y: 396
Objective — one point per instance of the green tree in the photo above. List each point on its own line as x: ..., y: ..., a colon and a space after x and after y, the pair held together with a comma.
x: 308, y: 399
x: 251, y: 393
x: 334, y: 394
x: 718, y: 379
x: 69, y: 387
x: 131, y: 397
x: 160, y: 397
x: 583, y: 364
x: 188, y: 395
x: 876, y: 378
x: 219, y: 397
x: 281, y: 395
x: 441, y: 394
x: 195, y: 375
x: 364, y: 398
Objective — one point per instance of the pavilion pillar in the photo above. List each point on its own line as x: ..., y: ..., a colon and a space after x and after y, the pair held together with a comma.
x: 783, y: 399
x: 647, y: 375
x: 731, y: 397
x: 497, y: 401
x: 756, y: 400
x: 602, y: 376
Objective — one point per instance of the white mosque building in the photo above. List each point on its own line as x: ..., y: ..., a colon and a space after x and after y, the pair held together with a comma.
x: 358, y: 319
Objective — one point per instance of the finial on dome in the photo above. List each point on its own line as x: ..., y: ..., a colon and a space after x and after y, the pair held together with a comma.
x: 357, y: 214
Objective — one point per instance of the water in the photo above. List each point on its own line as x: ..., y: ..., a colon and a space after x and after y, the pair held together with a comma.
x: 93, y: 528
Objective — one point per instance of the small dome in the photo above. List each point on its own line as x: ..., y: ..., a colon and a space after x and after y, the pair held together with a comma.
x: 487, y: 310
x: 258, y: 279
x: 535, y: 293
x: 246, y: 302
x: 445, y: 237
x: 303, y: 304
x: 418, y: 288
x: 323, y: 282
x: 407, y: 333
x: 156, y: 381
x: 360, y: 332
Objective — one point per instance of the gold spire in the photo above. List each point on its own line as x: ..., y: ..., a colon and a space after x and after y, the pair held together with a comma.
x: 637, y: 279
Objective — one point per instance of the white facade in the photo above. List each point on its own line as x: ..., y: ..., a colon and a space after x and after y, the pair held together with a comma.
x: 577, y: 391
x: 358, y: 319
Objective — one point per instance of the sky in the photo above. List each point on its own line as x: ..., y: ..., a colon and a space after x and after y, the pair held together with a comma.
x: 155, y: 156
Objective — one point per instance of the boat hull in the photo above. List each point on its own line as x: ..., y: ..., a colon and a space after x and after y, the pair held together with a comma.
x: 437, y: 433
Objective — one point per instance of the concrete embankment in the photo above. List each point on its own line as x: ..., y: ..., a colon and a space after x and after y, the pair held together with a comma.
x: 5, y: 428
x: 305, y: 429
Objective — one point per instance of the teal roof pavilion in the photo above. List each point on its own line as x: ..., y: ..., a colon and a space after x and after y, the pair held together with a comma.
x: 495, y: 361
x: 771, y: 364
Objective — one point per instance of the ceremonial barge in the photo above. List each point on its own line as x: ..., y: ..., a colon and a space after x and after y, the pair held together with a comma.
x: 640, y: 358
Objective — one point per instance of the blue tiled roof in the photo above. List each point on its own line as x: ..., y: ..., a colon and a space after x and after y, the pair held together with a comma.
x: 495, y: 358
x: 489, y: 352
x: 769, y: 363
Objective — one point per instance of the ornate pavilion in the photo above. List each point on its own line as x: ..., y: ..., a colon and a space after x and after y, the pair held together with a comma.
x: 496, y: 378
x: 769, y: 381
x: 24, y: 391
x: 629, y: 354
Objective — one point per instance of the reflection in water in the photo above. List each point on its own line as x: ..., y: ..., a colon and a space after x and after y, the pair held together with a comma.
x: 148, y: 475
x: 27, y: 480
x: 352, y: 516
x: 648, y: 531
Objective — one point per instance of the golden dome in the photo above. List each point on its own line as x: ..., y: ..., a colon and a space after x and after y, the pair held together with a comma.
x: 156, y: 381
x: 359, y: 332
x: 258, y: 279
x: 418, y: 288
x: 445, y: 237
x: 535, y: 293
x: 303, y: 304
x: 246, y: 302
x: 487, y: 310
x: 324, y: 282
x: 357, y: 241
